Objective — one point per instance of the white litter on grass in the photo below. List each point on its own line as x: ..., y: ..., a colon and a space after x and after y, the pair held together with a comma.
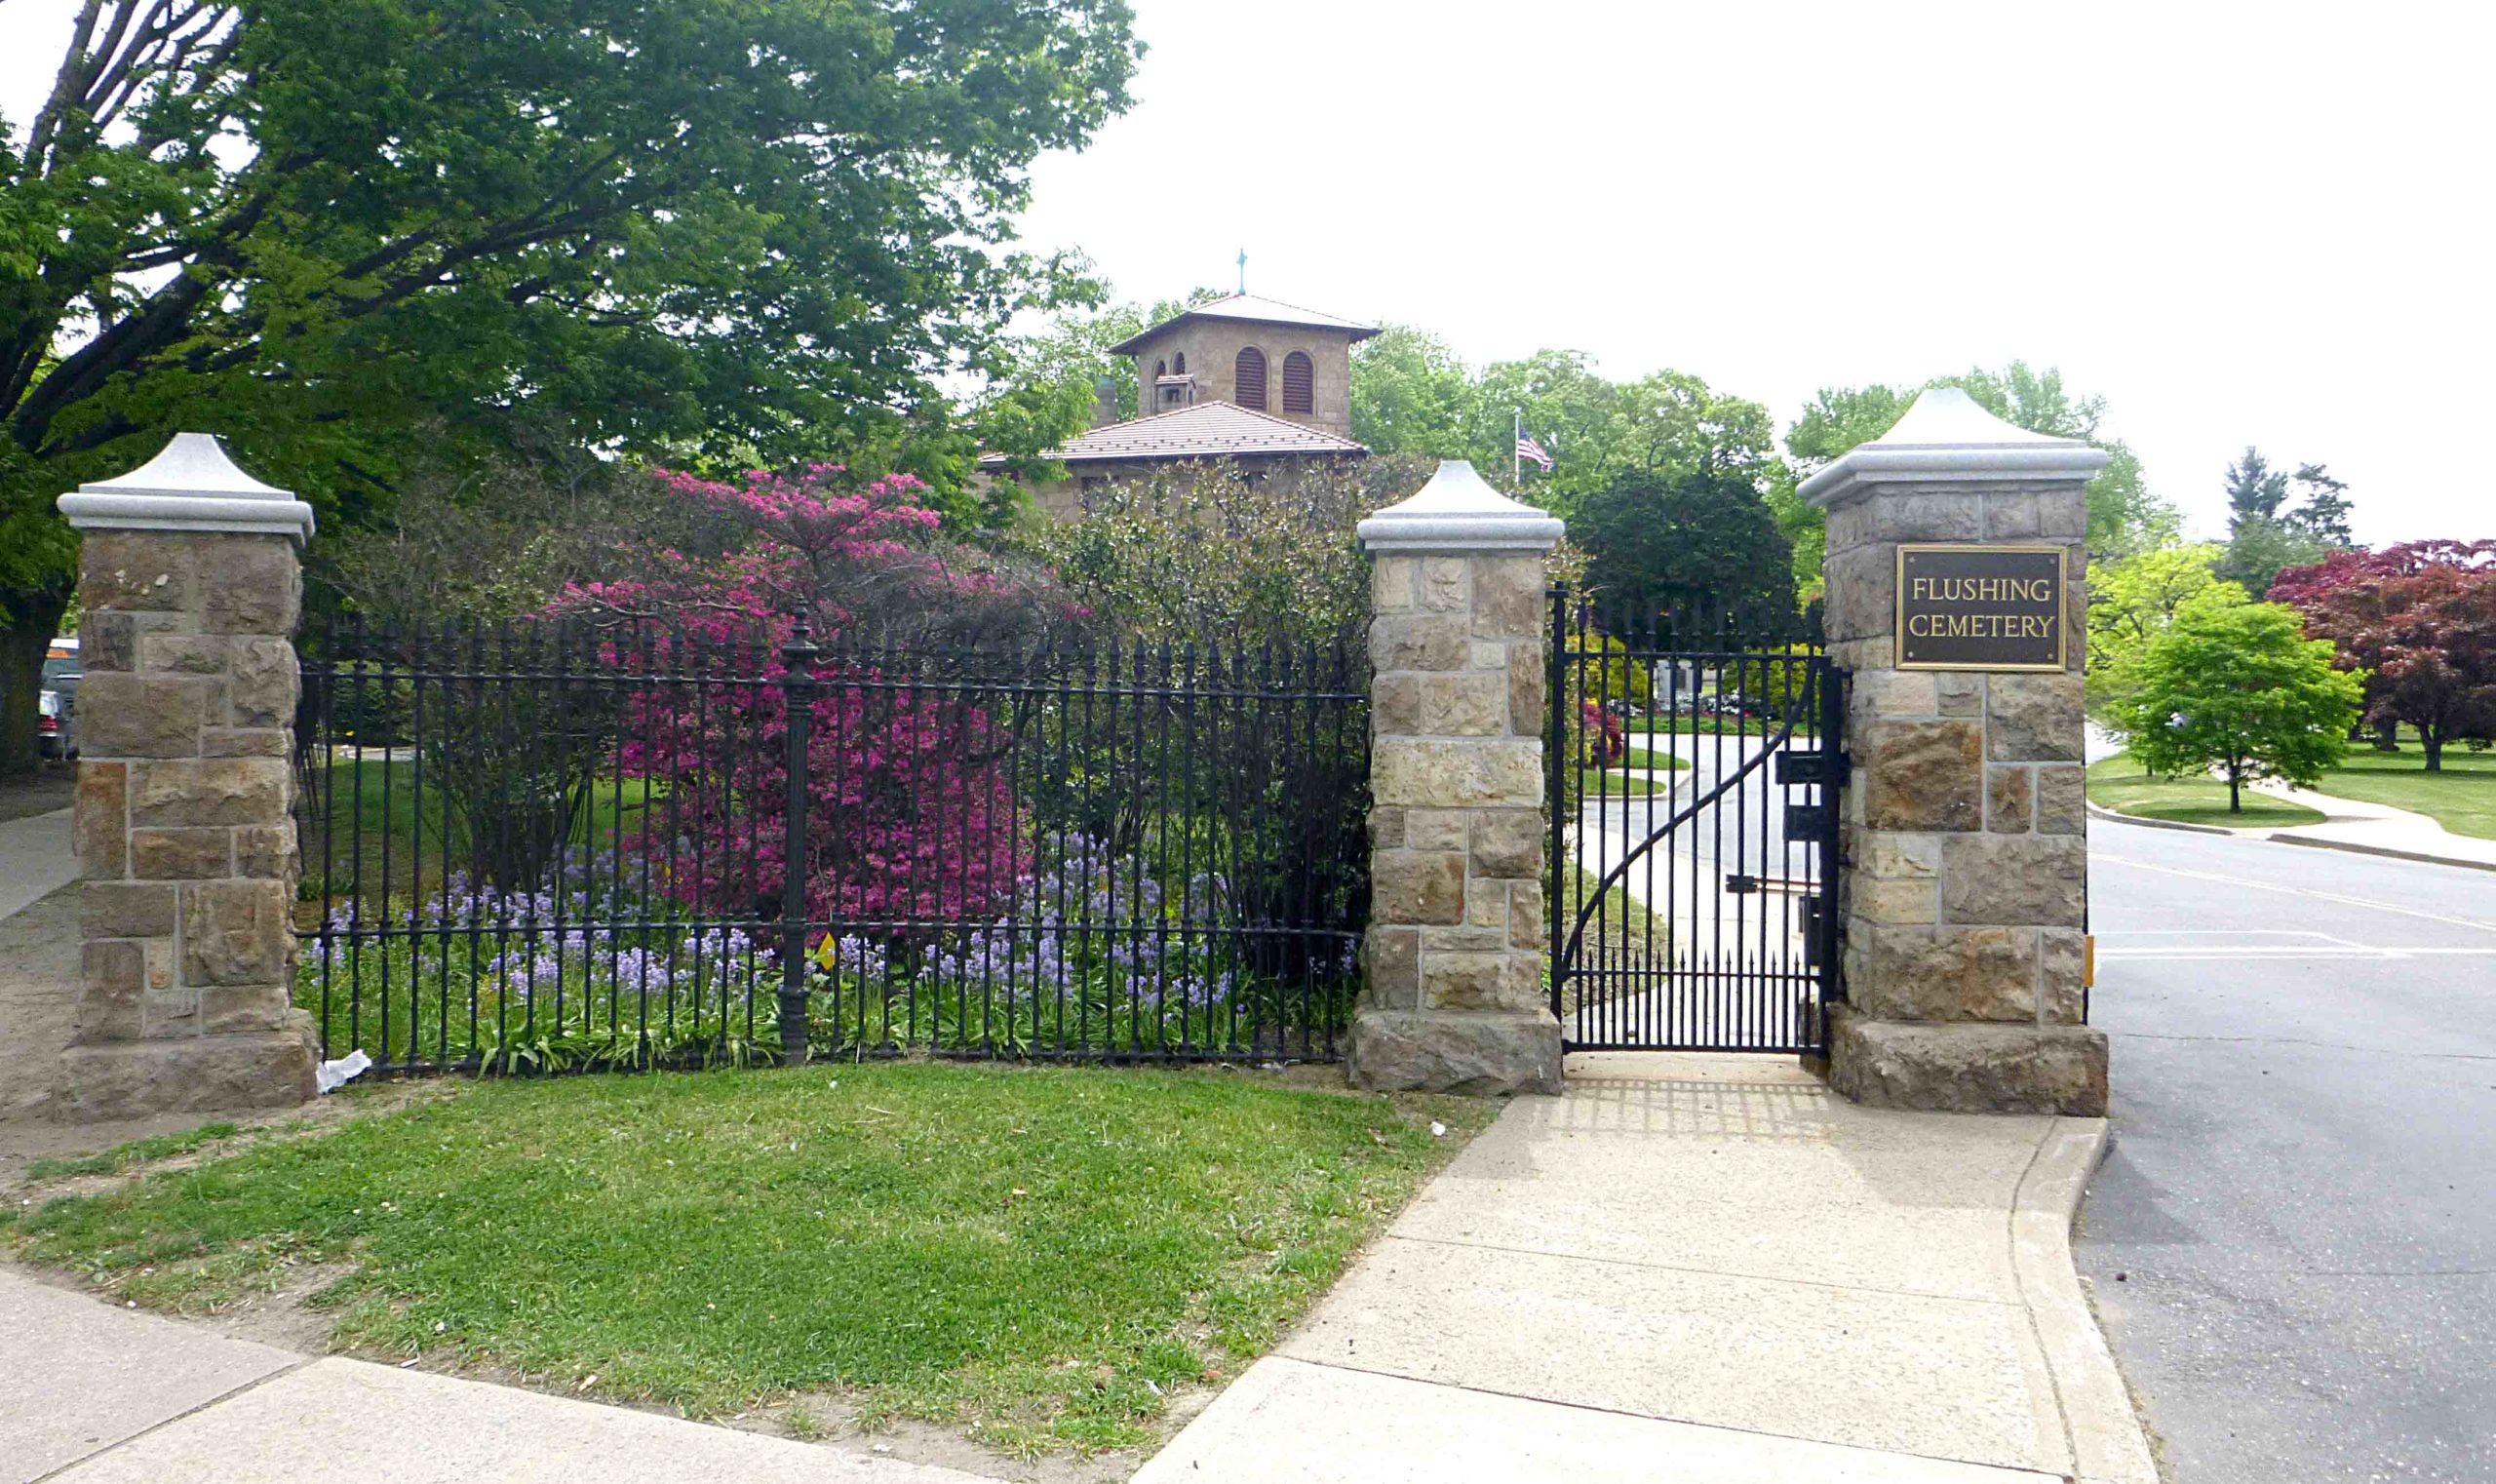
x: 1439, y: 1130
x: 333, y: 1076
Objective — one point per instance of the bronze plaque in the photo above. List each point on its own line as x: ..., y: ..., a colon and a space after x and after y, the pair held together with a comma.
x: 1980, y: 607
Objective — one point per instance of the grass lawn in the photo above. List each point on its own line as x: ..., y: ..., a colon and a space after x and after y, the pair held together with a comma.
x: 1651, y: 760
x: 2462, y: 797
x: 2117, y: 783
x: 1037, y: 1253
x: 1595, y: 782
x: 373, y: 797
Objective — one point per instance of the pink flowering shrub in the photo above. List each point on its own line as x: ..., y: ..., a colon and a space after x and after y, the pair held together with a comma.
x: 910, y: 815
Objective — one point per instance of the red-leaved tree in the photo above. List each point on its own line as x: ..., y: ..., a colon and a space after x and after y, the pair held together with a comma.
x: 911, y: 812
x: 2420, y: 619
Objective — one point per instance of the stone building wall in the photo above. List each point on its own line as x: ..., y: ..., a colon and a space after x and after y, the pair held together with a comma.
x: 1212, y: 347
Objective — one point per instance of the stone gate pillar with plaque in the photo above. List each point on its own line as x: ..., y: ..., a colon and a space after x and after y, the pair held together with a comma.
x: 1954, y: 580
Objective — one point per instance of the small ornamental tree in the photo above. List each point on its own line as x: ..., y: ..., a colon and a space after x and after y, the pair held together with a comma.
x: 2234, y: 686
x: 912, y: 813
x: 2420, y: 618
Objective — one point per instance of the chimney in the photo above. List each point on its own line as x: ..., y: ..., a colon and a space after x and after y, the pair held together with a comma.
x: 1104, y: 402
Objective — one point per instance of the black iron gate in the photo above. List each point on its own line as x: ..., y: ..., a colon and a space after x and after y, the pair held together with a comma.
x: 1694, y: 778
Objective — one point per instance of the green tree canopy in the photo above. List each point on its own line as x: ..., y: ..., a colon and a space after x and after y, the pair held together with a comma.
x: 2132, y: 600
x: 714, y: 230
x: 2123, y: 516
x: 1695, y: 539
x: 1410, y: 394
x: 2278, y: 520
x: 2238, y: 687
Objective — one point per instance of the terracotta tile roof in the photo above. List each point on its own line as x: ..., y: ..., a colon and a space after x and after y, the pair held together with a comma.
x: 1206, y: 430
x: 1254, y: 311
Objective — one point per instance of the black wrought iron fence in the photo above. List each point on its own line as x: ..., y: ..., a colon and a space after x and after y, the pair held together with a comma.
x: 565, y: 844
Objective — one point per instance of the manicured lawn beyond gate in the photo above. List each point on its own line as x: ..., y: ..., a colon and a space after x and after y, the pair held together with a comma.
x: 1038, y: 1255
x: 2118, y: 783
x: 2462, y: 797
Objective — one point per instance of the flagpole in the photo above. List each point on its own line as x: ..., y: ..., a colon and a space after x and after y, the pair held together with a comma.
x: 1516, y: 449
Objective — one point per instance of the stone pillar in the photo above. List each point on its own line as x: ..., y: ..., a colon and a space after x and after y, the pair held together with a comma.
x: 1964, y: 834
x: 189, y: 585
x: 1455, y: 999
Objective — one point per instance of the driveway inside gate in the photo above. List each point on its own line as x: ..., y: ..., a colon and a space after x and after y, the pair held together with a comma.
x: 1703, y: 1270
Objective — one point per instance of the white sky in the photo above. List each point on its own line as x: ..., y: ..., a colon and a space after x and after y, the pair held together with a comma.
x: 2258, y: 223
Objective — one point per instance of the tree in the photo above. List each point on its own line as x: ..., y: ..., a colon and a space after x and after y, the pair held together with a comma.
x: 2123, y: 516
x: 2237, y: 686
x: 1412, y: 395
x: 2133, y: 601
x: 2267, y: 532
x: 1690, y: 540
x: 2420, y: 619
x: 1045, y: 387
x: 734, y: 231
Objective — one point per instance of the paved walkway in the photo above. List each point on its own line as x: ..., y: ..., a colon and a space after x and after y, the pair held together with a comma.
x: 1703, y: 1270
x: 35, y: 859
x: 92, y: 1394
x: 2378, y: 829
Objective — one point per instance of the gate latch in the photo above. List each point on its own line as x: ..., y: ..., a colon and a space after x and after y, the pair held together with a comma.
x: 1741, y: 886
x: 1808, y: 821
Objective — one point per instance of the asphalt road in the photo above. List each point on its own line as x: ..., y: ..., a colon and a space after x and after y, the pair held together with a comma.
x: 2293, y: 1239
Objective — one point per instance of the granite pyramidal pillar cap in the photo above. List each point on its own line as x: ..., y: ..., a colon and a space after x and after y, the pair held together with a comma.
x: 1458, y: 512
x: 1946, y: 437
x: 191, y: 485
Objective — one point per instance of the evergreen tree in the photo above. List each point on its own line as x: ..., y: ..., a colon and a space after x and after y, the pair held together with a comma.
x: 2254, y: 490
x: 2323, y: 512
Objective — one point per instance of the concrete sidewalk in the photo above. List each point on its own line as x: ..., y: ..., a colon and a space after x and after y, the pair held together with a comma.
x: 91, y: 1394
x: 2379, y: 828
x: 35, y: 859
x: 1703, y: 1268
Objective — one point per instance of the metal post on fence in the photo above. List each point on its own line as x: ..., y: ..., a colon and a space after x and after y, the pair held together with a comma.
x: 798, y: 689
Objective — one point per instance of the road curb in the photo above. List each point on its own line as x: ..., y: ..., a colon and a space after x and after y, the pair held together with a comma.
x: 2099, y: 811
x: 2311, y: 842
x: 2108, y: 1444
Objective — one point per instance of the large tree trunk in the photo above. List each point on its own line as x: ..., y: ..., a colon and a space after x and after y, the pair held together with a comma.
x: 2388, y: 736
x: 2235, y: 789
x: 21, y: 651
x: 2430, y: 741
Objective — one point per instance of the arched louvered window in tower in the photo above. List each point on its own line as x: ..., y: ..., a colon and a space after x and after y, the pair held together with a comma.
x: 1160, y: 369
x: 1298, y: 375
x: 1249, y: 378
x: 1179, y: 365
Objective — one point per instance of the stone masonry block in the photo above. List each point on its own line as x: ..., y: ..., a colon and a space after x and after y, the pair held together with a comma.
x: 1480, y: 1055
x: 1394, y: 967
x: 265, y: 685
x: 1416, y: 886
x: 122, y: 714
x: 1968, y: 1068
x: 1422, y: 642
x: 1446, y: 585
x: 108, y: 642
x: 216, y: 791
x: 1391, y: 582
x: 1488, y: 907
x: 1943, y: 514
x: 167, y: 1014
x: 2063, y: 800
x: 125, y: 910
x: 1492, y: 981
x: 1921, y: 775
x: 2040, y: 514
x: 1943, y: 973
x: 2034, y: 880
x: 1879, y: 693
x: 184, y: 653
x: 2062, y: 972
x: 1528, y: 928
x: 243, y: 742
x: 248, y: 584
x: 112, y: 987
x: 1436, y: 829
x: 1884, y: 855
x: 1463, y: 703
x: 99, y: 820
x: 228, y: 1007
x: 1872, y: 900
x: 134, y: 1078
x: 1960, y: 694
x: 2007, y: 790
x: 237, y: 932
x: 136, y: 571
x: 2034, y: 717
x: 183, y: 854
x: 1508, y: 842
x: 265, y: 851
x: 1529, y: 692
x: 1386, y: 828
x: 1860, y: 584
x: 1509, y: 597
x: 1443, y: 772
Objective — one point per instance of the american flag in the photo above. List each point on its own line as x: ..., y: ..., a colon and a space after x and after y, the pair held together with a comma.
x: 1531, y: 451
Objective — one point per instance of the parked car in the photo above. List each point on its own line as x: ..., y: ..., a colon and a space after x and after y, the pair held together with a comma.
x: 57, y: 707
